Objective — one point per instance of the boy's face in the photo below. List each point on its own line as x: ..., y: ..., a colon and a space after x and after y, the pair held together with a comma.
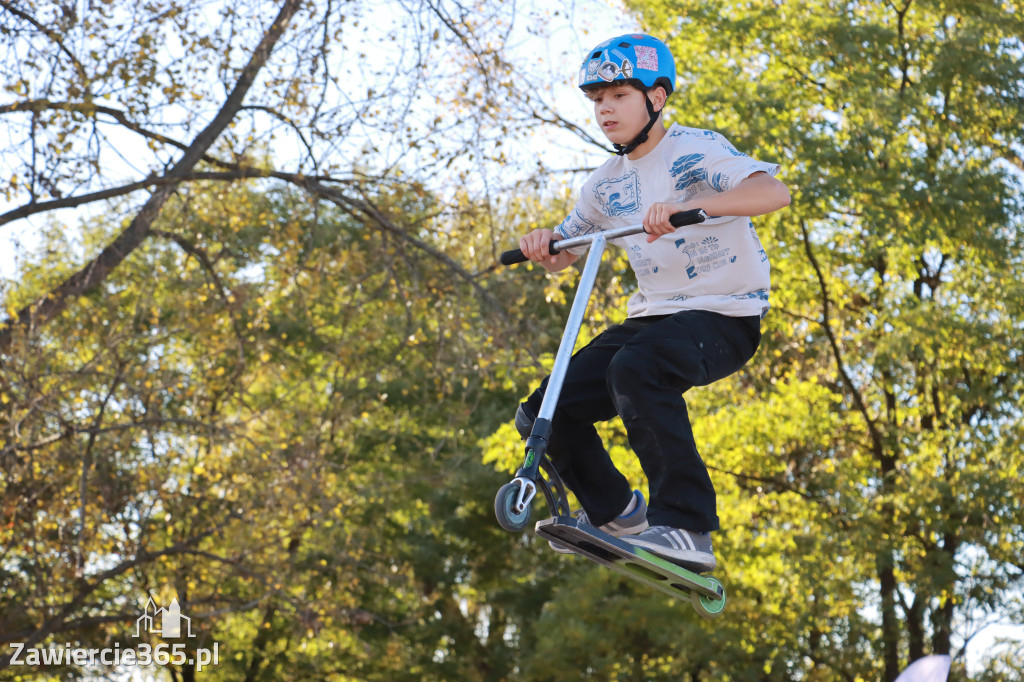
x: 621, y: 111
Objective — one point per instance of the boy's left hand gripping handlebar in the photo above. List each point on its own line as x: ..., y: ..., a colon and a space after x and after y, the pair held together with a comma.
x: 691, y: 217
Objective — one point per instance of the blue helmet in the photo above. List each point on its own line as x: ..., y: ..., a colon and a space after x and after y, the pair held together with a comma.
x: 630, y: 57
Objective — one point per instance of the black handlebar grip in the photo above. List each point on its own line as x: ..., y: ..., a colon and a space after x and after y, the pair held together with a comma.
x: 691, y: 217
x: 516, y: 255
x: 512, y: 257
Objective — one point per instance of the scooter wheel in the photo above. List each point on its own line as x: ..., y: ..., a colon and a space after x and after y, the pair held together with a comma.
x: 709, y: 607
x: 504, y: 508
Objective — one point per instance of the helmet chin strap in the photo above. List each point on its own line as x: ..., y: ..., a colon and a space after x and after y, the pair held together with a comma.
x: 623, y: 149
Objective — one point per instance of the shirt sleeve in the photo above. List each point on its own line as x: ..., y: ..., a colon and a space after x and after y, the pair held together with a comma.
x: 581, y: 221
x: 713, y: 164
x: 725, y: 166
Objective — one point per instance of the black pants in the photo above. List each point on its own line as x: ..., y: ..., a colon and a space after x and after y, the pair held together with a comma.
x: 639, y: 370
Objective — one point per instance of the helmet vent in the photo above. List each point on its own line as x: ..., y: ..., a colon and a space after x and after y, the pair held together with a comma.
x: 625, y: 45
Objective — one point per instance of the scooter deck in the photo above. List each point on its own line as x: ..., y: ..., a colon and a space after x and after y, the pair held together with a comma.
x: 705, y: 593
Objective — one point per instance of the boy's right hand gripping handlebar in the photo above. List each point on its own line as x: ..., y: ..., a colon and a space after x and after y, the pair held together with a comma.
x: 691, y: 217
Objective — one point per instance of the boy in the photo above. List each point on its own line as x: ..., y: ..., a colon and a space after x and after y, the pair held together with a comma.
x: 695, y: 318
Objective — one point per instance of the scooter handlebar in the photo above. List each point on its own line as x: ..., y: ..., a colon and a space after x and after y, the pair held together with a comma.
x: 691, y: 217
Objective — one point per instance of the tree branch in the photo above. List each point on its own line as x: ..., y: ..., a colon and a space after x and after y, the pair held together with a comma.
x: 837, y: 354
x: 237, y: 172
x: 366, y: 208
x: 52, y: 35
x: 56, y: 622
x: 225, y: 296
x: 88, y: 109
x: 560, y: 122
x: 95, y: 272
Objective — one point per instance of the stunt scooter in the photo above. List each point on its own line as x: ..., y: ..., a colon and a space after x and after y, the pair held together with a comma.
x: 512, y: 505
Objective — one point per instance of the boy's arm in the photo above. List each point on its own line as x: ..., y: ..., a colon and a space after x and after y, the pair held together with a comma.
x: 757, y: 194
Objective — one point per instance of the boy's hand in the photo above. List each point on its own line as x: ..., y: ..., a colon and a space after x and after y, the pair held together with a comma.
x: 534, y: 245
x: 656, y: 221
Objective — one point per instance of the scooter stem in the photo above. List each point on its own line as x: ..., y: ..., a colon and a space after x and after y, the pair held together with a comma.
x: 537, y: 443
x: 572, y: 328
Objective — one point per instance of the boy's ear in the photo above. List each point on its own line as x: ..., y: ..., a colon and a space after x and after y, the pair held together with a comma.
x: 658, y: 97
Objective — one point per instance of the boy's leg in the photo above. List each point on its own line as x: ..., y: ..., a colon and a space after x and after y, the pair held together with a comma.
x: 575, y: 448
x: 647, y: 378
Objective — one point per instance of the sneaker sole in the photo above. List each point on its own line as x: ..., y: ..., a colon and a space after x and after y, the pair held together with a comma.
x: 616, y: 530
x: 700, y: 562
x: 618, y: 533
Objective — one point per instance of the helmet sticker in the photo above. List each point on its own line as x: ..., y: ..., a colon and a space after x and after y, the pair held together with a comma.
x: 608, y: 71
x: 592, y: 66
x: 646, y: 58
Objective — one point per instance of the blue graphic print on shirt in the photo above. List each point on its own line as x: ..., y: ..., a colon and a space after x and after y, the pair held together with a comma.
x: 619, y: 196
x: 687, y: 171
x: 575, y: 225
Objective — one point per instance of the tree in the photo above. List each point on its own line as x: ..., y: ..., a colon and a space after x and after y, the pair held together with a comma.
x: 275, y: 423
x: 70, y: 78
x: 234, y: 397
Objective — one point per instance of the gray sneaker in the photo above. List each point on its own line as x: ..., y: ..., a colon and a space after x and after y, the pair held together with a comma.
x: 633, y: 522
x: 688, y: 549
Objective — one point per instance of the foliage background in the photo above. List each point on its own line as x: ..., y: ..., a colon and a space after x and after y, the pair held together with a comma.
x: 267, y: 365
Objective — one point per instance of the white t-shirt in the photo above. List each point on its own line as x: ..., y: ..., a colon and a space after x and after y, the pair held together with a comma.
x: 718, y: 265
